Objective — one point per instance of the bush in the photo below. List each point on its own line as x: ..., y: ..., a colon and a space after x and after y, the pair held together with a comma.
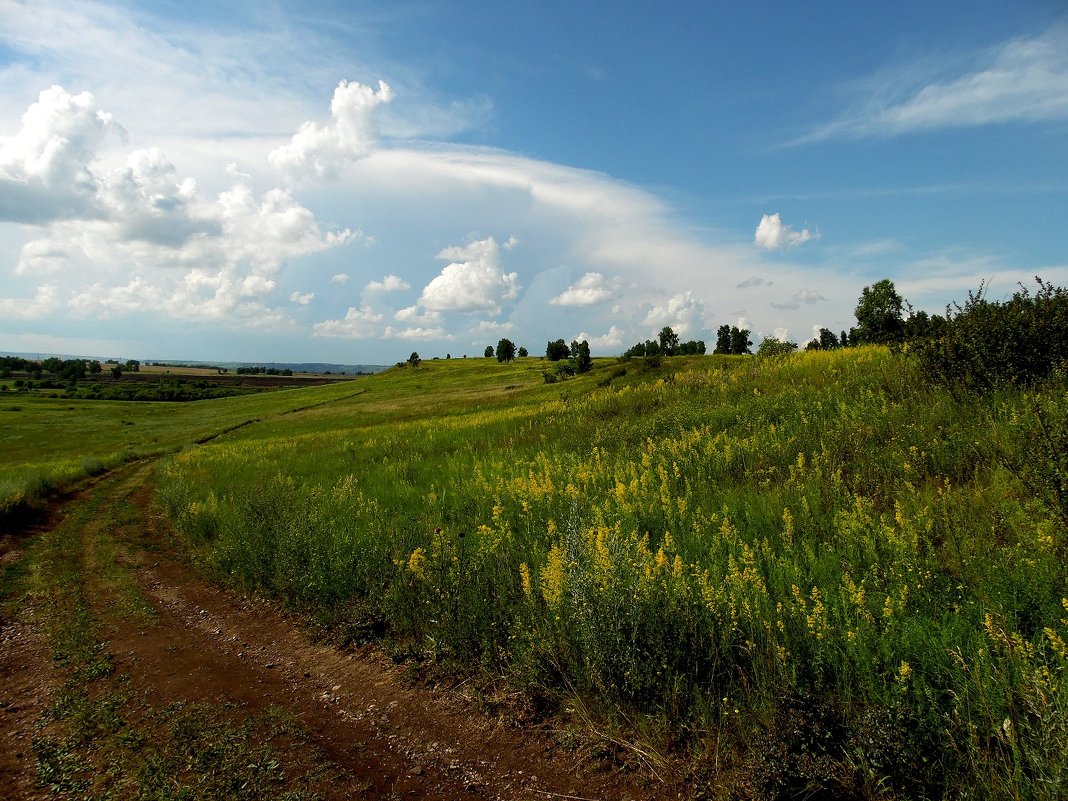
x: 984, y: 344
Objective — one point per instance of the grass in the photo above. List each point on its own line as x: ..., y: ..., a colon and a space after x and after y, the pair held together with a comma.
x: 819, y: 570
x: 48, y: 444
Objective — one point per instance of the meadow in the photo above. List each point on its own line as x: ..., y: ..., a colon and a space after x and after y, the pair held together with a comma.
x: 49, y: 443
x: 817, y: 573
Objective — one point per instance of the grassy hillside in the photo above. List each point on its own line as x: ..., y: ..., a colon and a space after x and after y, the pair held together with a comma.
x: 819, y: 573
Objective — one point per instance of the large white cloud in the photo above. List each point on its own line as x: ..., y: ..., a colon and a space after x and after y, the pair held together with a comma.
x: 44, y: 303
x: 771, y: 234
x: 350, y: 134
x: 472, y: 281
x: 357, y: 323
x: 682, y: 312
x: 45, y: 167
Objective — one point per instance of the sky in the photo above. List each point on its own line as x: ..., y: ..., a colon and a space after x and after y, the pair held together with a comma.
x: 353, y: 181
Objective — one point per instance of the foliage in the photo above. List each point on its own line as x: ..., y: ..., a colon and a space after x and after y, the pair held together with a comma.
x: 820, y: 562
x: 984, y: 344
x: 580, y: 356
x: 879, y: 315
x: 505, y: 350
x: 488, y: 353
x: 770, y: 347
x: 557, y: 350
x: 668, y: 341
x: 740, y: 342
x: 414, y: 360
x: 523, y: 353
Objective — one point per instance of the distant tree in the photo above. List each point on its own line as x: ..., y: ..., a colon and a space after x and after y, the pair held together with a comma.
x: 414, y: 360
x: 825, y: 340
x: 95, y: 368
x: 133, y: 366
x: 879, y: 316
x: 116, y: 372
x: 740, y: 341
x: 692, y: 348
x: 771, y: 346
x: 723, y: 339
x: 448, y: 355
x: 556, y: 350
x: 505, y: 350
x: 580, y: 356
x: 522, y: 353
x: 669, y: 341
x: 489, y: 352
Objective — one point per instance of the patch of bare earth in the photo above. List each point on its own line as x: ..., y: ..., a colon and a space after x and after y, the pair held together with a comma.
x: 376, y: 735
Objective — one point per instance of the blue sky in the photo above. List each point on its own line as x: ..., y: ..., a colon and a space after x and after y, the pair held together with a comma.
x: 353, y: 181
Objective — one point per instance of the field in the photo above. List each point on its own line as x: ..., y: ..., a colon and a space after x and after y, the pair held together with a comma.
x: 817, y: 574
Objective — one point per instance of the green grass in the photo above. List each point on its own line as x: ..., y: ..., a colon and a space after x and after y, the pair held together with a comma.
x: 742, y: 552
x: 48, y: 444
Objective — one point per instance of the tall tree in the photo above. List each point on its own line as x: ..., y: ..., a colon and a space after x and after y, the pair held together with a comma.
x: 489, y: 352
x: 414, y: 359
x: 740, y: 342
x: 878, y: 312
x: 505, y: 350
x: 723, y: 339
x: 556, y: 350
x: 580, y: 355
x: 669, y: 341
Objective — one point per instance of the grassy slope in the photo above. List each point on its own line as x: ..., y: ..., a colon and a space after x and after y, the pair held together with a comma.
x: 818, y: 570
x: 48, y: 443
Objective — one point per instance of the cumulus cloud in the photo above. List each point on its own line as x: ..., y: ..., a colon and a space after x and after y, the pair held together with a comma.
x: 771, y: 234
x: 390, y: 283
x: 349, y: 135
x: 413, y: 315
x: 591, y: 289
x: 682, y: 312
x: 45, y: 169
x: 804, y: 297
x: 416, y: 332
x: 472, y: 281
x: 613, y: 338
x: 492, y: 327
x: 340, y: 278
x: 45, y: 302
x: 302, y: 298
x: 357, y: 323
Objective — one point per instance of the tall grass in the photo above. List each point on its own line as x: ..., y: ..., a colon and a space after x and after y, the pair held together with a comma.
x: 822, y: 568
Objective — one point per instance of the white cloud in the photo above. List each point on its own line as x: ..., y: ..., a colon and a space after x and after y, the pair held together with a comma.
x: 358, y: 323
x: 45, y: 302
x: 390, y: 283
x: 682, y: 313
x: 302, y: 298
x: 416, y: 316
x: 753, y: 280
x: 340, y: 278
x: 591, y: 289
x: 416, y: 332
x: 492, y: 327
x: 472, y: 281
x: 350, y: 134
x: 771, y: 234
x: 613, y: 338
x: 781, y: 334
x: 45, y: 167
x: 1023, y: 79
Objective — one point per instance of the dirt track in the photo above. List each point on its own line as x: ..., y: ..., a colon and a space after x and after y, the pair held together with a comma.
x: 356, y: 727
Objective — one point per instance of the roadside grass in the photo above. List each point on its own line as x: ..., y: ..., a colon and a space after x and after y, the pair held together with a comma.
x: 103, y: 739
x: 49, y: 444
x: 820, y: 573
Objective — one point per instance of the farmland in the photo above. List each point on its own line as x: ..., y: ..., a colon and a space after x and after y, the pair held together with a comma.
x: 812, y: 573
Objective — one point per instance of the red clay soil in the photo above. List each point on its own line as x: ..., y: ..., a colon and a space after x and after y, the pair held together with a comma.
x: 388, y: 738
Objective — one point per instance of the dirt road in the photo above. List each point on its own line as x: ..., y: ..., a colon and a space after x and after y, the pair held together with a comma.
x: 124, y: 675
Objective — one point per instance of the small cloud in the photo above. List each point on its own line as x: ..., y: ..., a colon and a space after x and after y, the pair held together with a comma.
x: 771, y: 234
x: 591, y: 289
x: 682, y: 313
x: 511, y: 242
x: 413, y: 315
x: 391, y: 283
x: 416, y: 333
x: 357, y: 323
x: 805, y: 297
x: 607, y: 341
x: 491, y: 327
x: 340, y: 278
x: 753, y: 280
x: 302, y: 299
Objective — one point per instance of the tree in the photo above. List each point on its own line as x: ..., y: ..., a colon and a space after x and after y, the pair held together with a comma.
x: 489, y: 352
x: 771, y: 346
x: 723, y: 339
x: 505, y: 350
x: 878, y: 312
x: 825, y: 340
x: 556, y: 350
x: 669, y: 341
x: 522, y: 353
x: 580, y: 355
x: 740, y: 341
x: 414, y: 360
